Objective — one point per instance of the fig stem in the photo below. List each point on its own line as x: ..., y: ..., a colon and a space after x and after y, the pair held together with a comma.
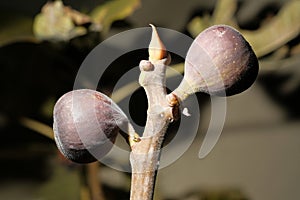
x: 144, y: 157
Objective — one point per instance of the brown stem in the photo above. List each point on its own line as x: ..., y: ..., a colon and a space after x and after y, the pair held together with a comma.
x: 144, y: 156
x: 145, y: 152
x: 144, y: 166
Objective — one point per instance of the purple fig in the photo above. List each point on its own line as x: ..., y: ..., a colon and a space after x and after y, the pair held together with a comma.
x: 219, y: 62
x: 86, y: 123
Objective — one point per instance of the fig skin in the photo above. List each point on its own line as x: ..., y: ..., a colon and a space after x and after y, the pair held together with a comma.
x: 86, y: 124
x: 219, y: 62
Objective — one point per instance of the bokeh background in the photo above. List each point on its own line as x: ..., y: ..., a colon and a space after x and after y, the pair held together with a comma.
x: 257, y: 156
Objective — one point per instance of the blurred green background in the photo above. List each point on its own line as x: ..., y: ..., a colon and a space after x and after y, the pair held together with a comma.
x: 257, y: 156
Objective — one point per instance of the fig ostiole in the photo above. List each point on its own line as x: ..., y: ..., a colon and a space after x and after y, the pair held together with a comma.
x: 219, y: 62
x: 86, y: 124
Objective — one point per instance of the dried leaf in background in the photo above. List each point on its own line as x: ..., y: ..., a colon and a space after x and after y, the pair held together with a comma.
x: 59, y: 23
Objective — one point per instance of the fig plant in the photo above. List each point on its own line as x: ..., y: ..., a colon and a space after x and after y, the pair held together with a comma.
x: 219, y: 62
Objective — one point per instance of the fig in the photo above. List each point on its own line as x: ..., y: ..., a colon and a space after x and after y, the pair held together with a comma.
x: 86, y: 124
x: 219, y: 62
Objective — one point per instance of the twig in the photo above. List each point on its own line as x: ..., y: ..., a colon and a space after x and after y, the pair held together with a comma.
x: 144, y: 157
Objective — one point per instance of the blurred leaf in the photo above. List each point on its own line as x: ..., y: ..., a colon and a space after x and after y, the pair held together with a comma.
x: 113, y: 10
x: 16, y: 29
x: 198, y: 24
x: 58, y: 22
x: 281, y: 29
x: 37, y: 126
x: 224, y: 12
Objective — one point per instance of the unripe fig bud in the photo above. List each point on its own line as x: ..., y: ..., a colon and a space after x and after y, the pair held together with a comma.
x: 219, y: 62
x: 86, y: 123
x: 157, y: 50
